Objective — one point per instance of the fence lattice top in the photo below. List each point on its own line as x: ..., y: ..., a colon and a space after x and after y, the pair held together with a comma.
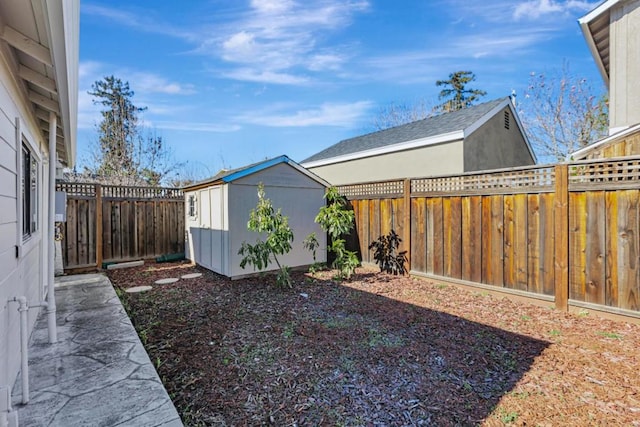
x: 520, y: 180
x: 120, y: 192
x: 609, y: 173
x: 387, y: 189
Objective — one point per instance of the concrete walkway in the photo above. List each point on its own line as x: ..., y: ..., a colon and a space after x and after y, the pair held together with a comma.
x: 98, y: 373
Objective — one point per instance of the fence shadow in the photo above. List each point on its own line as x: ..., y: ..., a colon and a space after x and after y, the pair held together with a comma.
x: 325, y: 353
x: 418, y: 364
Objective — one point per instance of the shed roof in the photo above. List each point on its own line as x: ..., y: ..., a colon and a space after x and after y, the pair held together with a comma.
x: 227, y: 176
x: 595, y: 28
x: 441, y: 128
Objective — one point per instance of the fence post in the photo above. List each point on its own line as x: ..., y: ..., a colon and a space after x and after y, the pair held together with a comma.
x: 561, y: 250
x: 407, y: 221
x: 98, y: 226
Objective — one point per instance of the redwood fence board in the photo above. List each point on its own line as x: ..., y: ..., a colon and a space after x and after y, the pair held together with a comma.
x: 133, y: 223
x: 575, y: 240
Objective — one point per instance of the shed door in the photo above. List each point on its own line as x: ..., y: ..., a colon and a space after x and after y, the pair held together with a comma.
x: 204, y: 257
x: 217, y: 230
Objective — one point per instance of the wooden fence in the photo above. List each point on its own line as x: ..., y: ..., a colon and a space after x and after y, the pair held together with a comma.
x: 567, y: 233
x: 111, y: 223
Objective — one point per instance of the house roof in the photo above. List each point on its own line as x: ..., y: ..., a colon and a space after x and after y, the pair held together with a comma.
x: 442, y: 128
x: 227, y: 176
x: 584, y: 152
x: 42, y: 39
x: 595, y: 28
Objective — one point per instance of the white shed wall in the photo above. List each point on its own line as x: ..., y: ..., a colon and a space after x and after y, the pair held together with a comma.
x: 207, y: 232
x: 24, y: 275
x: 215, y: 236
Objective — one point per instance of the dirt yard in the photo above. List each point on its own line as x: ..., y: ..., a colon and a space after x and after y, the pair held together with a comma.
x: 377, y: 350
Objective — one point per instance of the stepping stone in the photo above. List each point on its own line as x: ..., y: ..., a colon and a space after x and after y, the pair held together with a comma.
x: 166, y: 281
x: 137, y: 289
x: 191, y: 275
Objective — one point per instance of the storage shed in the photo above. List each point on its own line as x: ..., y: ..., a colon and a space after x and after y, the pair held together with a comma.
x: 217, y: 212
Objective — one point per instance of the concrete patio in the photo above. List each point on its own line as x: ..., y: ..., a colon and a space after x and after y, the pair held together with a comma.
x: 98, y: 373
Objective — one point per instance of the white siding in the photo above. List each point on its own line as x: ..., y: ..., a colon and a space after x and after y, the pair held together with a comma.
x: 22, y: 276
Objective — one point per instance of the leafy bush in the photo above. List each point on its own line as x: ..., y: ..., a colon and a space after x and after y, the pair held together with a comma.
x: 386, y: 255
x: 265, y: 219
x: 337, y: 219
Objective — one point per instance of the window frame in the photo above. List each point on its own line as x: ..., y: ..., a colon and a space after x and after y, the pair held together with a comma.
x: 25, y: 242
x: 29, y: 197
x: 192, y: 209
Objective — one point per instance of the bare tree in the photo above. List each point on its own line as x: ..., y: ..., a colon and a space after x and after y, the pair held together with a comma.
x: 562, y: 113
x: 397, y: 114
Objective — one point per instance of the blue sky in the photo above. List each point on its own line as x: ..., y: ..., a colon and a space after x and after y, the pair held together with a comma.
x: 229, y: 83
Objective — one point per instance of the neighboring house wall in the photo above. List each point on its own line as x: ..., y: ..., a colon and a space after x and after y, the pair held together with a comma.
x: 440, y: 159
x: 493, y: 146
x: 624, y: 95
x: 24, y: 275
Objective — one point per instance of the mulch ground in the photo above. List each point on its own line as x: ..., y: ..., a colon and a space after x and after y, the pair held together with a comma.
x: 377, y: 350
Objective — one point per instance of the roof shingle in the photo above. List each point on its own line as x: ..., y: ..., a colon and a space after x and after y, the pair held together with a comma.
x: 429, y: 127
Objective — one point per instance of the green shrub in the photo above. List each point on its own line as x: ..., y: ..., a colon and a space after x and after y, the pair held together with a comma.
x: 265, y: 219
x: 337, y: 220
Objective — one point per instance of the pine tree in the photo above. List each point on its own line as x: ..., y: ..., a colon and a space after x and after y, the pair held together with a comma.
x: 455, y: 93
x: 118, y: 130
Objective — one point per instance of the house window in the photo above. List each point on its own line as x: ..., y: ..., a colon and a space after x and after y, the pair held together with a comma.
x: 506, y: 120
x: 29, y: 186
x: 192, y: 206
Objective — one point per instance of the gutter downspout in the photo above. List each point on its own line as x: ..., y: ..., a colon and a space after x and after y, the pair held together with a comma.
x: 23, y: 309
x: 51, y: 296
x: 8, y: 417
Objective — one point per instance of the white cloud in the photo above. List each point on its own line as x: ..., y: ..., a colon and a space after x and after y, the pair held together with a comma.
x: 277, y: 38
x: 149, y: 83
x: 328, y: 114
x: 195, y: 126
x: 534, y: 9
x: 272, y: 6
x: 141, y: 21
x: 272, y: 77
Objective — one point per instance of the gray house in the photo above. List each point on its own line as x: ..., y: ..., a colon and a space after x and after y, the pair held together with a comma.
x: 481, y: 137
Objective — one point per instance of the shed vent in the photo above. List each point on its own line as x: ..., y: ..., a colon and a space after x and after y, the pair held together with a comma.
x: 506, y: 119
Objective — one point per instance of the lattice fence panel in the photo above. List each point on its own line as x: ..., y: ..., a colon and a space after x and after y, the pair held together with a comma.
x: 601, y: 175
x: 77, y: 189
x: 373, y: 190
x: 112, y: 191
x: 539, y: 179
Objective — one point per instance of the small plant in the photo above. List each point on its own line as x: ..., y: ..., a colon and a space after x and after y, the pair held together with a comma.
x: 311, y: 244
x: 386, y: 255
x: 555, y: 333
x: 265, y: 219
x: 508, y: 417
x: 337, y: 220
x: 611, y: 335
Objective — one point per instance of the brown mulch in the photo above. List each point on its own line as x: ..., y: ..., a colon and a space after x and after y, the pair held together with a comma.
x: 377, y: 350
